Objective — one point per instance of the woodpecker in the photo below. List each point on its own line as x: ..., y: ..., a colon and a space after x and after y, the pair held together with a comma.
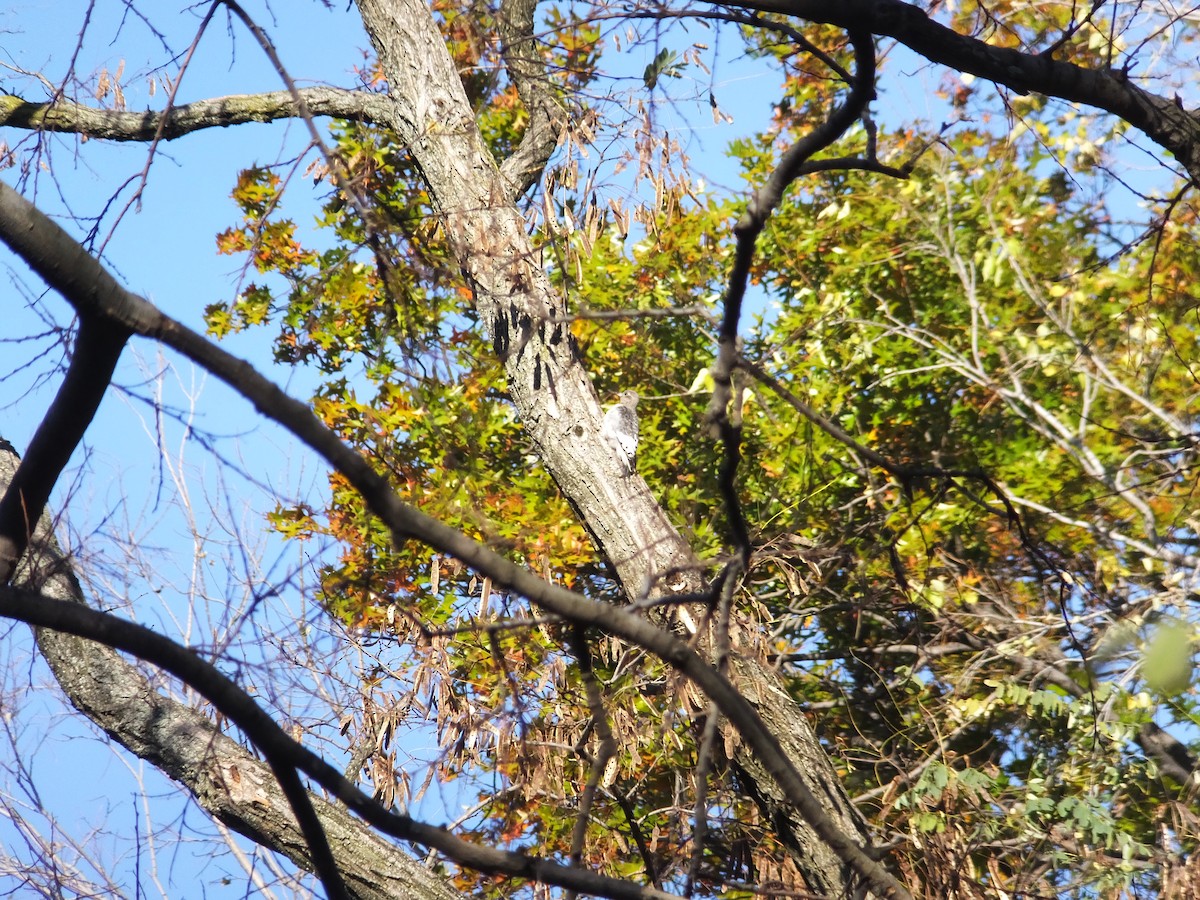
x: 620, y: 431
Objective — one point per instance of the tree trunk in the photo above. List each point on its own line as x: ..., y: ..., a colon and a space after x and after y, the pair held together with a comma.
x: 557, y: 405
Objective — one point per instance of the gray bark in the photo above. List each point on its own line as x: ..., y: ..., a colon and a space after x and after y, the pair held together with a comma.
x: 217, y: 112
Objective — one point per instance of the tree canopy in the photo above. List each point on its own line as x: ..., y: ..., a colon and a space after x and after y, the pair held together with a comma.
x: 900, y: 599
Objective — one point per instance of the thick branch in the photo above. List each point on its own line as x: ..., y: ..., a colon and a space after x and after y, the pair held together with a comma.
x: 286, y: 755
x: 98, y: 346
x: 547, y: 114
x: 1161, y: 118
x: 517, y: 305
x: 116, y: 125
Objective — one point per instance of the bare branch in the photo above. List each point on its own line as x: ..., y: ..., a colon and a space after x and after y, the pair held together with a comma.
x: 746, y: 231
x: 98, y: 346
x: 605, y: 751
x: 285, y: 756
x: 547, y: 113
x: 180, y: 121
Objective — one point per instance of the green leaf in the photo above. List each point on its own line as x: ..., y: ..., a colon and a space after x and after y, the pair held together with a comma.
x: 1167, y: 658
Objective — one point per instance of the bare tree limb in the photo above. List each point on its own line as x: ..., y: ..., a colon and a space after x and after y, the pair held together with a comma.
x: 746, y: 232
x: 98, y: 346
x: 180, y: 121
x: 285, y: 755
x: 547, y: 113
x: 226, y: 780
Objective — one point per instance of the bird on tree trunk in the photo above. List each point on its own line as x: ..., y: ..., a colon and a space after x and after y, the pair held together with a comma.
x: 620, y: 431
